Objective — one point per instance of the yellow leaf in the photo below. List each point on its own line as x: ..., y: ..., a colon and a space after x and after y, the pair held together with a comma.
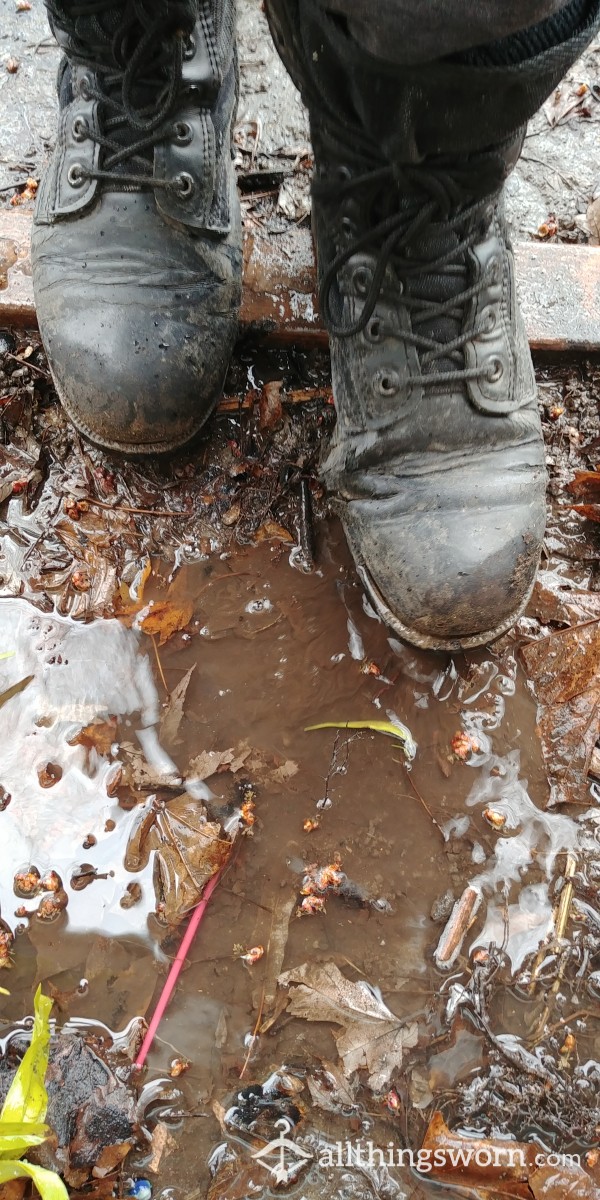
x: 400, y: 732
x: 48, y: 1183
x: 167, y: 617
x: 27, y: 1100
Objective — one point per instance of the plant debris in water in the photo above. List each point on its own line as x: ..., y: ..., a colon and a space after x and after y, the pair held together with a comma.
x: 124, y: 798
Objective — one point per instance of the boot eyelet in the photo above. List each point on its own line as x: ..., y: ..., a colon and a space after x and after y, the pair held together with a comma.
x: 185, y: 185
x: 75, y: 175
x: 189, y: 47
x: 348, y: 226
x: 490, y: 320
x: 386, y: 382
x: 344, y: 174
x: 495, y: 370
x: 374, y: 330
x: 493, y: 270
x: 361, y: 280
x: 80, y: 130
x: 183, y: 133
x: 85, y: 87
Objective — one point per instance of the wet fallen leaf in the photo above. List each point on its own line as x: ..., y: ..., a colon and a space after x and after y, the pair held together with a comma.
x: 564, y: 670
x: 564, y: 102
x: 166, y: 617
x: 209, y: 762
x: 15, y: 466
x: 98, y: 735
x: 272, y: 531
x: 501, y: 1168
x: 189, y: 850
x: 172, y: 714
x: 329, y: 1089
x: 591, y: 512
x: 270, y: 408
x: 585, y: 485
x: 284, y: 771
x: 163, y: 1144
x: 372, y: 1037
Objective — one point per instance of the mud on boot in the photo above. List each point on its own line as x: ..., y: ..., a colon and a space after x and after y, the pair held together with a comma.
x: 436, y: 466
x: 136, y: 248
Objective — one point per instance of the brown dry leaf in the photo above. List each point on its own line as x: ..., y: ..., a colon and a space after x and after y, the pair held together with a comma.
x: 209, y: 762
x: 590, y: 511
x: 585, y: 485
x: 270, y: 408
x: 372, y: 1038
x: 163, y: 1144
x: 271, y: 531
x: 564, y: 101
x: 189, y: 848
x: 286, y: 771
x: 166, y: 617
x: 564, y: 670
x: 567, y: 1182
x: 110, y: 1158
x: 13, y: 1190
x: 497, y: 1167
x: 562, y: 605
x: 99, y: 735
x: 329, y: 1089
x: 172, y: 714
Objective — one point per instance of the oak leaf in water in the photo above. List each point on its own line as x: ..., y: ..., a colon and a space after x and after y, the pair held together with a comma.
x: 189, y: 850
x: 166, y: 617
x: 372, y: 1038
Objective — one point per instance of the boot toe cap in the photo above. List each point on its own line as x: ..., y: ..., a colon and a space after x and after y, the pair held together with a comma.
x: 138, y: 319
x: 448, y: 580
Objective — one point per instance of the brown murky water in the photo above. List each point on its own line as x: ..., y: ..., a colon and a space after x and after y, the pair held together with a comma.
x: 273, y: 650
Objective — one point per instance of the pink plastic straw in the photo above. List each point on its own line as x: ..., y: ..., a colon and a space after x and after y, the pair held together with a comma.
x: 175, y: 970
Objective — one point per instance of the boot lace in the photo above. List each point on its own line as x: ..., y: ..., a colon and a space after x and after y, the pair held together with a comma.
x: 400, y: 207
x: 135, y: 49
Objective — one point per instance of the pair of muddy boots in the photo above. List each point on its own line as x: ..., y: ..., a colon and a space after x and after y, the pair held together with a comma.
x: 436, y: 466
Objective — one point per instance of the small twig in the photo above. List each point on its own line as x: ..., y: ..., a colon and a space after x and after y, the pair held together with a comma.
x: 140, y: 512
x: 159, y: 664
x: 420, y: 797
x: 24, y: 362
x: 562, y: 916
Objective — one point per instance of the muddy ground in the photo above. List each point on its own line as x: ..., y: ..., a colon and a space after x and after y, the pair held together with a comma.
x: 171, y: 629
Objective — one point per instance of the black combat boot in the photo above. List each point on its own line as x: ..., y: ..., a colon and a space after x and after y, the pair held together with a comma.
x: 437, y: 463
x: 137, y: 242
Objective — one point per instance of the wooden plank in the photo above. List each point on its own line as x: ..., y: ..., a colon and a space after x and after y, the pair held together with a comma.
x: 559, y: 287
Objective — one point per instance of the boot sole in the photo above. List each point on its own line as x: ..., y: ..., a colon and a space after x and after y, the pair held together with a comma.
x: 424, y: 641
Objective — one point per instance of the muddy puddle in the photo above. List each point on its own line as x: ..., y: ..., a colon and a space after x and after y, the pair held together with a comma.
x: 338, y: 849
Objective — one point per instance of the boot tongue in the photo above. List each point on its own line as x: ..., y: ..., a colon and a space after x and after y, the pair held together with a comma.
x: 437, y: 286
x: 105, y: 38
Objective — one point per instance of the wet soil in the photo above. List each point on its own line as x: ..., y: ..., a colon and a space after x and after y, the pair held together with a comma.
x: 274, y: 646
